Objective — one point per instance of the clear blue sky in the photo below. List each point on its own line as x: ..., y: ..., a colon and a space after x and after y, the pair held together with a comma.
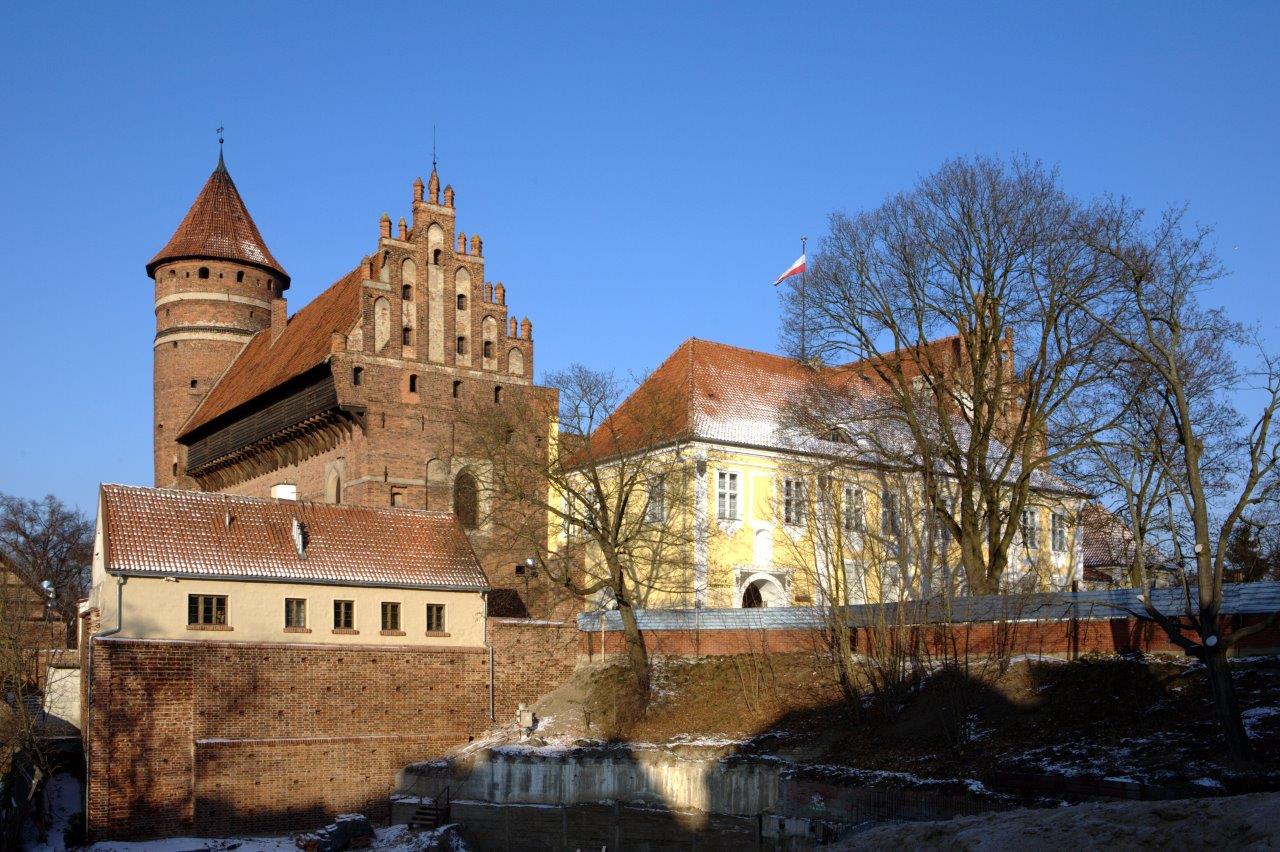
x: 639, y: 172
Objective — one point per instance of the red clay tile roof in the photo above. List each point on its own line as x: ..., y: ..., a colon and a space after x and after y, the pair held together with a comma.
x: 218, y: 227
x: 305, y: 343
x: 199, y: 534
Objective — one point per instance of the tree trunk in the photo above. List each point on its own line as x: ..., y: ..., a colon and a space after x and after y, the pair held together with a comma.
x: 1224, y: 702
x: 637, y: 654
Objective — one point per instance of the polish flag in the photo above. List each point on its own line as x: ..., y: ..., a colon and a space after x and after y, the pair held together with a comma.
x: 794, y: 269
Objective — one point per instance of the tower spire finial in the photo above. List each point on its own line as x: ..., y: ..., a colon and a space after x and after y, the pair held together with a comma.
x: 221, y: 165
x: 433, y: 147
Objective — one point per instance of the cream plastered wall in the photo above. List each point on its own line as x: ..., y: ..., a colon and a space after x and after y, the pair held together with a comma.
x: 156, y: 608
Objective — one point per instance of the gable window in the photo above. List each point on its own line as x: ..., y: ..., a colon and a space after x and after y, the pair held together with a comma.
x: 206, y: 609
x: 488, y: 349
x: 406, y: 336
x: 344, y: 615
x: 413, y: 383
x: 461, y: 346
x: 295, y: 613
x: 457, y: 387
x: 855, y: 509
x: 435, y: 618
x: 655, y: 511
x: 357, y: 376
x: 406, y: 293
x: 727, y: 495
x: 390, y: 616
x: 890, y: 524
x: 1059, y: 530
x: 793, y: 501
x: 462, y: 301
x: 1030, y: 529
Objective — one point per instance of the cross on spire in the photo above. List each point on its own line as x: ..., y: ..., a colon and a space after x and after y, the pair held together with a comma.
x: 221, y: 165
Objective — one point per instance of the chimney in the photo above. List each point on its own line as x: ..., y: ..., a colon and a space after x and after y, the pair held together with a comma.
x: 279, y: 318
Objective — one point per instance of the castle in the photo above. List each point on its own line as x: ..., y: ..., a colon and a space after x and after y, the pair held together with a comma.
x: 355, y: 398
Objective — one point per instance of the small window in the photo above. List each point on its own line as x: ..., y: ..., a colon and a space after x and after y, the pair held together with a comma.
x: 175, y: 468
x: 397, y: 498
x: 239, y: 277
x: 1059, y: 530
x: 357, y: 376
x: 727, y: 496
x: 435, y: 618
x: 406, y: 336
x: 413, y: 384
x: 890, y: 526
x: 855, y: 509
x: 206, y: 609
x: 390, y: 616
x: 295, y: 612
x: 344, y: 615
x: 406, y: 293
x: 435, y: 257
x: 1030, y: 529
x: 462, y: 346
x: 462, y: 301
x: 488, y: 349
x: 655, y: 511
x: 203, y: 272
x: 497, y: 395
x: 194, y: 383
x: 457, y: 388
x: 793, y: 501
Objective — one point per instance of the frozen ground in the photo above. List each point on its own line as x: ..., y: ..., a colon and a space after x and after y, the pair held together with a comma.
x: 1238, y: 822
x: 63, y: 800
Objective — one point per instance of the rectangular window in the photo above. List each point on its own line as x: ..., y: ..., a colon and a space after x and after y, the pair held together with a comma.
x: 727, y: 496
x: 855, y: 509
x: 435, y: 618
x: 793, y: 501
x: 1059, y: 533
x: 890, y: 527
x: 1030, y: 529
x: 344, y: 615
x: 390, y: 616
x: 295, y: 612
x: 656, y: 510
x: 206, y: 609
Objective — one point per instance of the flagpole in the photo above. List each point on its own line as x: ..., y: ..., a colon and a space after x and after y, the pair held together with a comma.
x: 804, y: 300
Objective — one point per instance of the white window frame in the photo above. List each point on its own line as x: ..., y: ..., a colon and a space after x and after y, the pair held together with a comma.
x: 1030, y: 523
x: 1059, y: 532
x: 728, y: 500
x: 890, y: 499
x: 793, y: 501
x: 655, y: 510
x: 854, y: 519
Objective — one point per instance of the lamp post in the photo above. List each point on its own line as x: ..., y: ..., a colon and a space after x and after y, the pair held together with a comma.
x: 526, y: 569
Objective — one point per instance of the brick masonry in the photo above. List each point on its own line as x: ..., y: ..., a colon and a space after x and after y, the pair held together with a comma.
x: 217, y: 737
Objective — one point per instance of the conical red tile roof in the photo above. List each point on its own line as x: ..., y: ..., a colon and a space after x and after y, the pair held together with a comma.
x: 218, y: 227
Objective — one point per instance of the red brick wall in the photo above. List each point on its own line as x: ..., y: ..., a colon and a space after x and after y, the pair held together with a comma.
x: 218, y: 737
x: 1064, y: 638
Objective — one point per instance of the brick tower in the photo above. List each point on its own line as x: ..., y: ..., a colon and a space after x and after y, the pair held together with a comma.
x: 217, y: 285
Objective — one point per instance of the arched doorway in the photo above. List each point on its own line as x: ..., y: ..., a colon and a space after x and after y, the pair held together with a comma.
x: 466, y: 500
x: 751, y: 598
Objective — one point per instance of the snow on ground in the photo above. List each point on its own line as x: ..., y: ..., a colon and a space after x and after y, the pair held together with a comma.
x: 1238, y: 822
x: 1255, y: 715
x: 63, y: 800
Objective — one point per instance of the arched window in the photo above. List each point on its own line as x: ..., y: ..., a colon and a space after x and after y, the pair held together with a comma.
x: 462, y: 301
x: 488, y: 349
x: 413, y: 384
x: 497, y: 394
x: 357, y: 376
x: 466, y: 500
x: 203, y: 272
x: 406, y: 293
x: 381, y: 323
x: 435, y: 257
x: 457, y: 387
x: 515, y: 362
x: 751, y: 598
x: 333, y: 487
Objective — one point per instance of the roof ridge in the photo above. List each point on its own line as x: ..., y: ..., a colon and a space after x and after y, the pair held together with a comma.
x: 226, y: 497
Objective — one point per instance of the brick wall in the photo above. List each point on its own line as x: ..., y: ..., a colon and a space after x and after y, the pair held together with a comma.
x: 1056, y: 638
x: 218, y: 737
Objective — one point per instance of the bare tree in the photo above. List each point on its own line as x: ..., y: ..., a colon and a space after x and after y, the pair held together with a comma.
x: 48, y: 541
x: 959, y: 301
x: 1186, y: 353
x: 613, y: 485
